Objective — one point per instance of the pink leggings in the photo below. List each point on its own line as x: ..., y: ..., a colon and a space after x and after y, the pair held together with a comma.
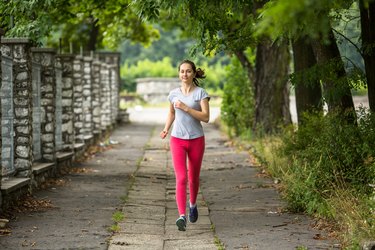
x: 192, y: 150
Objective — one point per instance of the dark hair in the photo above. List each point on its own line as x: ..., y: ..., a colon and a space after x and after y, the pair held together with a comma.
x: 199, y: 73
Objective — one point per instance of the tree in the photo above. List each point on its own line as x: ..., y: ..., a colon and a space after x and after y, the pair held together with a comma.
x: 228, y: 26
x: 312, y: 20
x: 271, y: 83
x: 169, y: 45
x: 367, y: 12
x: 335, y: 83
x: 91, y: 24
x: 308, y: 91
x: 271, y: 87
x: 30, y: 18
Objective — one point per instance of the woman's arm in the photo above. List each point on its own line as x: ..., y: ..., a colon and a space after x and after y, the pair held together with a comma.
x: 203, y: 115
x: 169, y: 121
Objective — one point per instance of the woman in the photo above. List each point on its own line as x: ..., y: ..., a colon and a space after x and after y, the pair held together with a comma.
x: 188, y: 108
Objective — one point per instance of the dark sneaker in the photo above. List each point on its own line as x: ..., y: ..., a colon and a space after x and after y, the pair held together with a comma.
x: 181, y: 223
x: 193, y: 214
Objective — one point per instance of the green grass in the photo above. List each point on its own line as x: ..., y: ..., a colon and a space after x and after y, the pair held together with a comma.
x: 218, y: 243
x: 118, y: 216
x: 114, y: 228
x: 324, y: 169
x: 348, y: 213
x: 301, y: 248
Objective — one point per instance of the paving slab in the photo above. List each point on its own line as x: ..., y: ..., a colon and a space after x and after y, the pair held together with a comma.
x: 189, y: 244
x: 136, y: 241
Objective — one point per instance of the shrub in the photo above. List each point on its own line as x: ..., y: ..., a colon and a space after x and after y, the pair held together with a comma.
x: 145, y: 68
x: 237, y: 106
x: 327, y: 153
x: 165, y: 68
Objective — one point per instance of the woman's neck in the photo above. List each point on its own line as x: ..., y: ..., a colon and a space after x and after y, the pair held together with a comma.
x: 187, y: 88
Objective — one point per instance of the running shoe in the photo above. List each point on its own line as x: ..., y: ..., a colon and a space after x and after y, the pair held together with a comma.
x: 181, y: 223
x: 193, y: 214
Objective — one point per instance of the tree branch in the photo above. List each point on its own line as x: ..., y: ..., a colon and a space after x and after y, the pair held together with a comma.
x: 350, y: 41
x: 245, y: 64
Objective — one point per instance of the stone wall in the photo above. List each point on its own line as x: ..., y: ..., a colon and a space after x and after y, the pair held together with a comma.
x: 86, y: 97
x: 67, y: 101
x: 53, y: 104
x: 78, y: 98
x: 105, y: 96
x: 7, y: 138
x: 19, y: 50
x: 58, y: 105
x: 46, y: 57
x: 37, y: 114
x: 112, y: 59
x: 95, y: 95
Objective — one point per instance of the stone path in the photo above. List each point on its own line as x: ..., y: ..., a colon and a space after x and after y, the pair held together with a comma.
x: 150, y: 210
x: 238, y: 207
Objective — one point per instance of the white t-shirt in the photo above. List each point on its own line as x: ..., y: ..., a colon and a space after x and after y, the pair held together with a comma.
x: 185, y: 126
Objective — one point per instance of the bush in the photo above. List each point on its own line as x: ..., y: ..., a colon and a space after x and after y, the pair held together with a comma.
x: 237, y: 106
x: 327, y: 153
x: 165, y: 68
x: 326, y: 168
x: 145, y: 68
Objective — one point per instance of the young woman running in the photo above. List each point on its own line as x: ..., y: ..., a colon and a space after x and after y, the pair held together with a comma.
x: 188, y: 108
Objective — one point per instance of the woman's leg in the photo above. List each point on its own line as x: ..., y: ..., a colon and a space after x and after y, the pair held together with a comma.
x: 178, y: 150
x: 195, y: 157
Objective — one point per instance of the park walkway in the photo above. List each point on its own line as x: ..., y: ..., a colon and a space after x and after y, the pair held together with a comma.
x: 238, y: 207
x: 150, y: 210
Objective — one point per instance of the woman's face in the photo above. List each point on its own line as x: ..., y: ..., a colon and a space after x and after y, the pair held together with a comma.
x: 186, y: 73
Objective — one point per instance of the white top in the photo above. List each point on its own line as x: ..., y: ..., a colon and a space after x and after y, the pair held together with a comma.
x: 185, y: 126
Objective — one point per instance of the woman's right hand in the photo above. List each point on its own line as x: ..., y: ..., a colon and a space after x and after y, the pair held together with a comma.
x: 163, y: 134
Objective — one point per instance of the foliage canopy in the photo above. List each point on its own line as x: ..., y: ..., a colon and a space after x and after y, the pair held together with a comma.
x: 99, y: 22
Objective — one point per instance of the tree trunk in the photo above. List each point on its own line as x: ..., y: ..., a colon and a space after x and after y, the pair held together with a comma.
x: 308, y: 91
x: 271, y: 87
x: 337, y: 96
x: 368, y: 47
x: 94, y: 32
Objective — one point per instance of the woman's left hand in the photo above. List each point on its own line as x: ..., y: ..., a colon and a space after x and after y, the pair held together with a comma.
x: 163, y: 134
